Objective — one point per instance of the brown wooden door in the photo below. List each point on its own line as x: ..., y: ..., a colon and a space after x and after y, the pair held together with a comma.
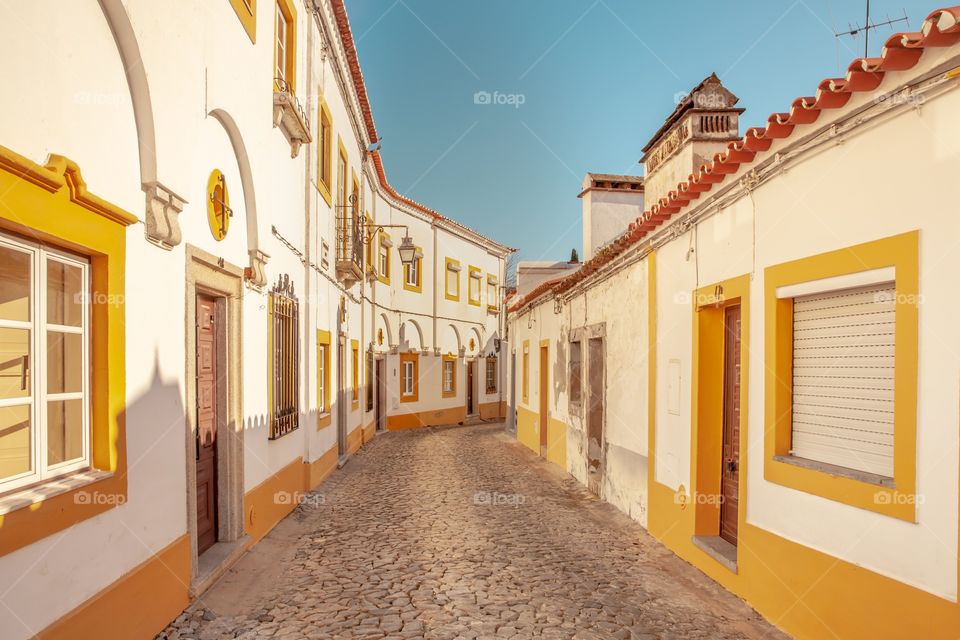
x: 544, y: 399
x: 381, y: 394
x: 471, y: 409
x: 207, y: 421
x: 730, y: 478
x: 595, y: 417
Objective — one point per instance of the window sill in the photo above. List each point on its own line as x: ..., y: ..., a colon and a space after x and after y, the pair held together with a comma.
x: 323, y: 420
x: 834, y: 470
x: 46, y: 489
x: 292, y: 120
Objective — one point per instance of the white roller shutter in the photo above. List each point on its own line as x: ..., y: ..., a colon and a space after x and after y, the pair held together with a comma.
x: 843, y: 348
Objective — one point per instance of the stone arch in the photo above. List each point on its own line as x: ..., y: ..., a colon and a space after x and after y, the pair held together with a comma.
x: 478, y: 345
x: 258, y: 259
x: 383, y: 324
x: 451, y: 340
x: 163, y: 206
x: 411, y: 335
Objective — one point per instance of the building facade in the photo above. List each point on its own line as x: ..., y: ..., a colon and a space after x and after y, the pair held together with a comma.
x: 205, y: 306
x: 761, y: 368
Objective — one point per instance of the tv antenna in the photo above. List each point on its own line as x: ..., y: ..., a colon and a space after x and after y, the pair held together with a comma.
x: 868, y: 26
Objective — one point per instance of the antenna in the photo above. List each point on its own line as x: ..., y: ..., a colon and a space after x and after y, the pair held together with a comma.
x: 855, y: 29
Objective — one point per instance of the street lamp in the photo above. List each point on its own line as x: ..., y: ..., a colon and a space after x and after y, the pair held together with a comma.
x: 407, y: 251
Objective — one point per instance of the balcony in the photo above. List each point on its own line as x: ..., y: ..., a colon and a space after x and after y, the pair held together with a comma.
x: 290, y: 116
x: 349, y: 263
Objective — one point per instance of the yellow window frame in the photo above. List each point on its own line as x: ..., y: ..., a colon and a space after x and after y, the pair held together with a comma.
x: 471, y: 270
x: 447, y: 263
x: 246, y: 11
x: 415, y: 359
x: 416, y: 288
x: 50, y: 203
x: 323, y: 340
x: 453, y: 388
x: 495, y: 304
x: 355, y: 371
x: 290, y: 47
x: 383, y: 277
x: 325, y: 152
x: 898, y: 500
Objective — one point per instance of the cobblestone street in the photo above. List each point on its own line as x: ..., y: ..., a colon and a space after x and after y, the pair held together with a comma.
x: 461, y: 533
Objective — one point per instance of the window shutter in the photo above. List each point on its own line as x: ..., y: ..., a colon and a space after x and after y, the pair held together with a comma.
x: 843, y: 363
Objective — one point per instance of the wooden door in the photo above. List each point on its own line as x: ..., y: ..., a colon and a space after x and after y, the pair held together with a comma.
x: 207, y: 420
x: 544, y: 399
x: 471, y: 409
x: 595, y: 414
x: 730, y: 475
x: 381, y: 409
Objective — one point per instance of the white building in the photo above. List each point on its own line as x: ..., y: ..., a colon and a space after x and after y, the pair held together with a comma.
x: 762, y: 368
x: 203, y: 308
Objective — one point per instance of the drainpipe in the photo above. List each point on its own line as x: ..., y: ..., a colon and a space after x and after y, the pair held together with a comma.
x: 307, y: 245
x: 433, y: 225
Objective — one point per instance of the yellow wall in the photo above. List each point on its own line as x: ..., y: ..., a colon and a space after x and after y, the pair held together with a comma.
x: 453, y: 415
x: 528, y: 433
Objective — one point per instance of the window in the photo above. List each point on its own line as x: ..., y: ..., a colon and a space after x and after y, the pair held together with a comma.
x: 368, y: 223
x: 325, y: 152
x: 841, y: 363
x: 369, y: 380
x: 413, y: 273
x: 44, y: 345
x: 452, y: 287
x: 449, y: 376
x: 491, y: 374
x: 285, y: 359
x: 473, y: 286
x: 323, y: 378
x: 383, y: 259
x: 355, y: 370
x: 575, y: 370
x: 409, y: 363
x: 342, y: 175
x: 246, y: 10
x: 493, y: 297
x: 284, y: 53
x: 525, y: 381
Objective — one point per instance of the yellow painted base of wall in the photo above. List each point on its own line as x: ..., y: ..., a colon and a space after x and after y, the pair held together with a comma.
x: 528, y: 433
x: 453, y: 415
x: 369, y: 431
x: 808, y: 594
x: 138, y: 605
x: 493, y: 410
x: 321, y: 468
x: 265, y: 505
x: 354, y: 441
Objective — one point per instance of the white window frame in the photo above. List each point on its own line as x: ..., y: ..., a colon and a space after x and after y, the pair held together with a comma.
x: 38, y: 396
x: 413, y: 273
x: 384, y: 256
x: 492, y: 294
x: 280, y: 46
x: 407, y: 372
x: 448, y: 376
x: 492, y: 362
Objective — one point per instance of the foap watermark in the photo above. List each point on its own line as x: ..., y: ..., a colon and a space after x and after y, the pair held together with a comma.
x: 900, y: 98
x: 98, y: 498
x: 99, y: 298
x: 699, y: 299
x: 515, y: 100
x: 681, y: 498
x: 97, y: 99
x: 497, y: 499
x: 896, y: 497
x: 299, y: 498
x: 897, y: 298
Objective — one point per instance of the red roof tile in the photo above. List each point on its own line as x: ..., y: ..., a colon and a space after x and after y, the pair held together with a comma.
x: 902, y: 51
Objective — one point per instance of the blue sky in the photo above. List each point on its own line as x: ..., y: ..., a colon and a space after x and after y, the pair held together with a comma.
x: 595, y: 78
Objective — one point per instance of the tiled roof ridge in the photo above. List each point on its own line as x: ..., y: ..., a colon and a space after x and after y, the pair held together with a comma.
x: 353, y: 61
x: 901, y: 51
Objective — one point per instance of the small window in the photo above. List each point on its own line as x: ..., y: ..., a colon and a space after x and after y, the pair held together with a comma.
x: 525, y: 381
x: 493, y: 298
x: 355, y: 371
x: 408, y: 377
x: 474, y: 285
x: 576, y: 372
x: 491, y: 374
x: 322, y: 378
x: 325, y: 151
x: 285, y: 347
x: 449, y: 376
x: 413, y: 273
x: 369, y: 380
x: 45, y: 347
x: 452, y: 280
x: 284, y: 46
x: 383, y: 266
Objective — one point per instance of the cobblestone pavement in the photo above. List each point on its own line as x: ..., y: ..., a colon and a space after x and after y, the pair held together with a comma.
x: 460, y: 532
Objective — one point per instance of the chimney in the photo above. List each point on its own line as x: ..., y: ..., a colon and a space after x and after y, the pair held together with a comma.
x: 610, y: 204
x: 702, y: 124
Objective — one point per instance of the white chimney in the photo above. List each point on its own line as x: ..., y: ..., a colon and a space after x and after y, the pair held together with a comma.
x: 610, y: 204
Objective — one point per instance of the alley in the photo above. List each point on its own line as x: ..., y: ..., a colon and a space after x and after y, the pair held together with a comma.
x: 459, y: 533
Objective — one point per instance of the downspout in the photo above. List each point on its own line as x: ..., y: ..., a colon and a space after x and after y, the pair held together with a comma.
x: 307, y: 253
x: 433, y: 225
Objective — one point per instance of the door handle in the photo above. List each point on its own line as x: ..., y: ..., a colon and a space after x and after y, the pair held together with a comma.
x: 732, y: 466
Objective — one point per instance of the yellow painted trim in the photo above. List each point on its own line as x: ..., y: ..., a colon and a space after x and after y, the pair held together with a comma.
x: 323, y: 339
x: 491, y: 278
x: 418, y: 288
x: 707, y: 384
x: 36, y: 204
x: 290, y: 64
x: 247, y: 15
x: 453, y: 392
x: 528, y: 425
x: 525, y: 380
x: 321, y: 468
x: 491, y: 410
x: 369, y: 431
x: 953, y: 73
x: 219, y: 224
x: 447, y: 263
x: 383, y: 277
x: 355, y: 372
x: 415, y: 359
x: 431, y: 418
x: 470, y: 271
x: 342, y: 155
x: 902, y: 253
x: 354, y: 440
x: 120, y: 610
x: 273, y: 499
x: 325, y: 151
